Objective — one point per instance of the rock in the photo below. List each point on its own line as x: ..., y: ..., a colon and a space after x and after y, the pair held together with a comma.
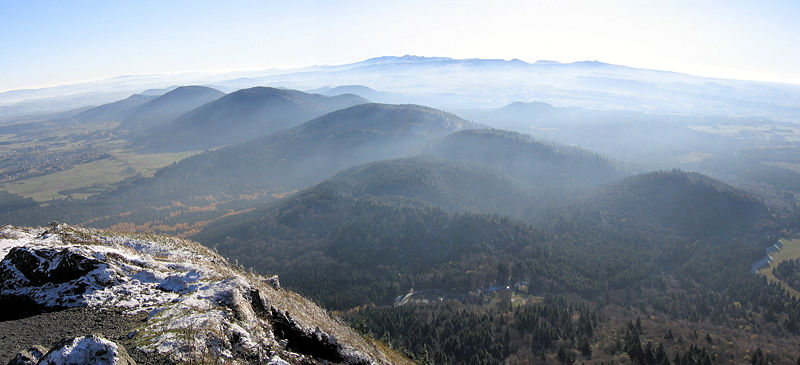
x: 51, y: 228
x: 30, y: 356
x: 259, y: 303
x: 273, y: 281
x: 275, y: 360
x: 314, y: 343
x: 44, y: 265
x: 92, y: 349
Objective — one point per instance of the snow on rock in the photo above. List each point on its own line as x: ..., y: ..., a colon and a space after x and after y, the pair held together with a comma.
x: 87, y: 350
x: 200, y: 308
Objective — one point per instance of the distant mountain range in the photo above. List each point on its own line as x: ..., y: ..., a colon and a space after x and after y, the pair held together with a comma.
x: 469, y: 83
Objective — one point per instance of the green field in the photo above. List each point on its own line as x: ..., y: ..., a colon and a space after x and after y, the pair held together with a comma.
x: 98, y: 174
x: 789, y: 251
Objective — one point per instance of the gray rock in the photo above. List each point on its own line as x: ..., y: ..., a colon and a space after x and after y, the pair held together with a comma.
x: 42, y: 266
x: 29, y: 356
x: 259, y: 303
x: 315, y: 343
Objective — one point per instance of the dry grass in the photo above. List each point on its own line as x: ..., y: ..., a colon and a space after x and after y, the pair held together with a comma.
x: 96, y: 173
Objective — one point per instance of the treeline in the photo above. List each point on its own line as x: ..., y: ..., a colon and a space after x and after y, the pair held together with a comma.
x: 453, y: 333
x: 789, y: 272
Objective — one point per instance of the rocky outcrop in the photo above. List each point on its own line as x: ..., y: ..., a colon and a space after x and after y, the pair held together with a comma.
x: 196, y: 306
x: 314, y: 343
x: 87, y: 350
x: 25, y: 266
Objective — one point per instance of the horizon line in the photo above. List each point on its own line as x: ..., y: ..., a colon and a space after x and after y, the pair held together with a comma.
x: 406, y: 56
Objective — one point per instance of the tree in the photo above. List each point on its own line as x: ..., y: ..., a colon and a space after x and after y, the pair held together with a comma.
x: 585, y: 347
x: 758, y: 357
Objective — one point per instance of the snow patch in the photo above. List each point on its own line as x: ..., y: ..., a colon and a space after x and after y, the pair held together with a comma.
x: 83, y: 350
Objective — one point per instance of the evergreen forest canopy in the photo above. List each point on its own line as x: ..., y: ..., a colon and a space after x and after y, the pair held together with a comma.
x: 525, y: 233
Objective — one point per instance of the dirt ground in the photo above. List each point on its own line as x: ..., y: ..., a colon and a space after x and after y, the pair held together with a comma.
x: 48, y: 328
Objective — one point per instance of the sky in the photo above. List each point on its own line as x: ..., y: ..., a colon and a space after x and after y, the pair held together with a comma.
x: 46, y: 43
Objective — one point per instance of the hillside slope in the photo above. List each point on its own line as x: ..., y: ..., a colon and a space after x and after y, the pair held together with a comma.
x: 208, y: 185
x: 169, y: 106
x: 534, y: 162
x: 200, y: 307
x: 427, y: 181
x: 310, y: 152
x: 344, y: 252
x: 372, y: 231
x: 245, y: 114
x: 116, y: 111
x: 690, y: 203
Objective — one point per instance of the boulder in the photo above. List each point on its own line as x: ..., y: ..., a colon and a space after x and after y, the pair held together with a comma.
x: 92, y: 349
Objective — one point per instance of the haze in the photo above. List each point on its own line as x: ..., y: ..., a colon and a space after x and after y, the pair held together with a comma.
x: 49, y: 43
x: 460, y: 182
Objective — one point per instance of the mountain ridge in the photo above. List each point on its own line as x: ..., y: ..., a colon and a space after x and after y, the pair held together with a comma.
x: 184, y: 287
x: 169, y: 106
x: 244, y: 114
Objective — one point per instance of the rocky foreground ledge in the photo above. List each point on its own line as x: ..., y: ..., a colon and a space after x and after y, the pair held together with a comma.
x: 185, y: 304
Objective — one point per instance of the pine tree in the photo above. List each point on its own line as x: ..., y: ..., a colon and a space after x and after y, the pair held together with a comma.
x: 585, y: 348
x: 758, y: 357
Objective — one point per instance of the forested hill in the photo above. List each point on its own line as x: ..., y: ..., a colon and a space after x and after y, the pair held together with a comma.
x: 345, y: 251
x: 306, y: 154
x: 689, y: 203
x: 165, y: 108
x: 424, y: 180
x: 345, y: 240
x: 416, y: 182
x: 242, y: 115
x: 117, y: 110
x: 359, y: 239
x: 226, y: 179
x: 535, y: 162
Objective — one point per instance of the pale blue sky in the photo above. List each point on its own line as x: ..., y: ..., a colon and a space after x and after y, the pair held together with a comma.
x: 44, y: 43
